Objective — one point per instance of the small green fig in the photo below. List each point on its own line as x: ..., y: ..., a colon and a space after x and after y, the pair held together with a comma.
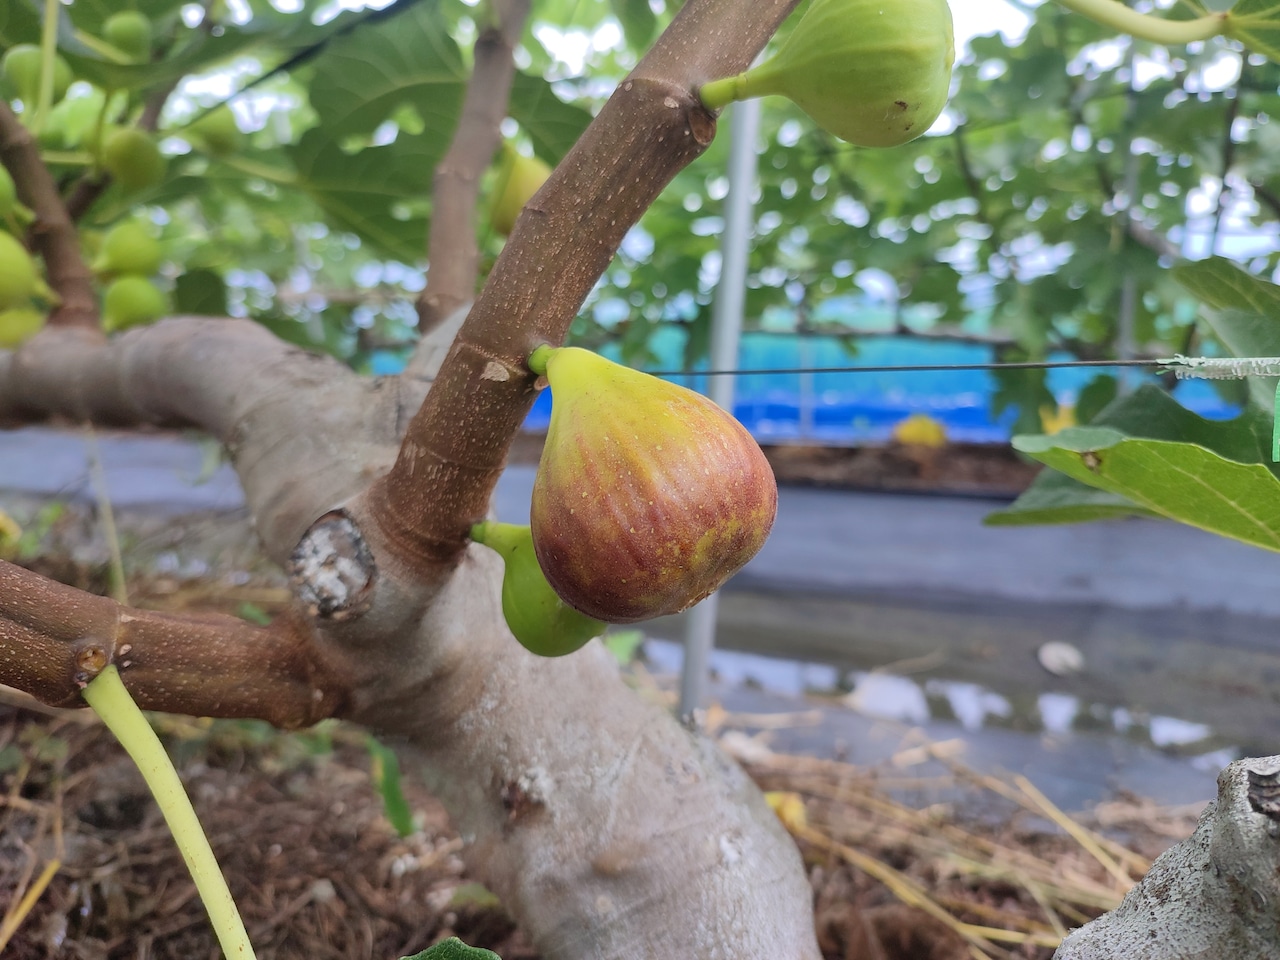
x: 129, y: 32
x: 22, y: 65
x: 132, y: 158
x: 542, y: 622
x: 131, y: 302
x: 8, y: 193
x: 18, y: 324
x: 216, y: 133
x: 648, y: 496
x: 74, y: 123
x: 873, y: 72
x: 128, y: 248
x: 519, y: 178
x: 18, y: 278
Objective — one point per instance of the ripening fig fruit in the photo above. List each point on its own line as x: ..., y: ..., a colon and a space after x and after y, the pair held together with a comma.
x: 131, y: 302
x: 216, y: 133
x: 519, y: 178
x: 648, y: 496
x: 132, y: 158
x: 542, y: 622
x: 18, y: 278
x: 21, y: 65
x: 18, y: 324
x: 129, y: 32
x: 873, y: 72
x: 128, y: 248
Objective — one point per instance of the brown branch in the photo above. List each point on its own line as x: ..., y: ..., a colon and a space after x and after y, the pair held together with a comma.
x: 305, y: 432
x: 53, y: 234
x: 54, y: 639
x: 651, y: 128
x: 454, y: 254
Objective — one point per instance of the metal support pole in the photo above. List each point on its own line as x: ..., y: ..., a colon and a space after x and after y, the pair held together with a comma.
x: 726, y: 331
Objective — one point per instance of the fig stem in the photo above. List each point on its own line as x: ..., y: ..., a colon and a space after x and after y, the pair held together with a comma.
x: 479, y: 531
x: 721, y: 93
x: 111, y: 701
x: 48, y: 55
x: 1144, y: 26
x: 539, y: 359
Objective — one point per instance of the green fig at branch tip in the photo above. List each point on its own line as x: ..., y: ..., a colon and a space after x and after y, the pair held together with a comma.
x: 128, y: 248
x: 216, y: 133
x: 19, y: 280
x: 129, y: 31
x: 519, y: 178
x: 19, y: 324
x: 536, y: 615
x: 132, y: 158
x: 648, y: 496
x: 875, y: 73
x: 132, y: 302
x: 23, y: 63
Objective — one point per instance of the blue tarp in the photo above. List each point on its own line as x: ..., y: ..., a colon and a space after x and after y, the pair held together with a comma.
x: 852, y: 408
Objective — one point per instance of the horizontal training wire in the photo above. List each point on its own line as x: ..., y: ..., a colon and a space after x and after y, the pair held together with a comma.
x: 1205, y: 368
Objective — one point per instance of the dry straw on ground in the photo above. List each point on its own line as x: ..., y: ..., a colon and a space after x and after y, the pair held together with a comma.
x: 87, y: 869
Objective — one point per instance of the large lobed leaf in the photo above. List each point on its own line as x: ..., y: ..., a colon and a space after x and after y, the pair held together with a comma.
x: 1145, y: 454
x: 1181, y: 481
x: 408, y: 62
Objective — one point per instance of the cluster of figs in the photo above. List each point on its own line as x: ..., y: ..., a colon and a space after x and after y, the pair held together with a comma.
x: 127, y: 257
x: 648, y: 496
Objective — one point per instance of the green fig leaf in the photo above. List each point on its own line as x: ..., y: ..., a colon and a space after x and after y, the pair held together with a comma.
x: 453, y: 949
x: 386, y: 778
x: 1256, y: 24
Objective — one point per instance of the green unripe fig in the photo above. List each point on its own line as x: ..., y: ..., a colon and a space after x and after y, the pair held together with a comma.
x: 21, y: 65
x: 128, y: 248
x: 131, y: 302
x: 129, y: 32
x: 18, y: 324
x: 519, y: 178
x: 648, y: 496
x: 542, y: 622
x: 18, y: 278
x: 8, y: 193
x: 873, y: 72
x: 74, y: 123
x: 216, y: 133
x: 132, y: 158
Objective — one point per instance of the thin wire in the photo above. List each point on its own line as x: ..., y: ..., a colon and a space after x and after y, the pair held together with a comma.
x: 919, y: 367
x: 1196, y: 368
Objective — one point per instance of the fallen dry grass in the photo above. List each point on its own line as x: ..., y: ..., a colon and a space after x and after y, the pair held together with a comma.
x: 88, y: 870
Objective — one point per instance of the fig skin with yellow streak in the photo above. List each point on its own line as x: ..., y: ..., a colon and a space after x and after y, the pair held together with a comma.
x: 648, y: 496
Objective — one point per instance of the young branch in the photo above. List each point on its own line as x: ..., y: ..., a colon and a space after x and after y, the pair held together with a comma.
x: 54, y: 639
x: 454, y: 255
x: 652, y: 127
x: 53, y: 234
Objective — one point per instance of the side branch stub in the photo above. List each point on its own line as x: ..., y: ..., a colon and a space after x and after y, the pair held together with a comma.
x: 54, y: 639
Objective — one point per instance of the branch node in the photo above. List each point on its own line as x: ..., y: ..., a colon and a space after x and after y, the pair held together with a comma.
x: 90, y: 657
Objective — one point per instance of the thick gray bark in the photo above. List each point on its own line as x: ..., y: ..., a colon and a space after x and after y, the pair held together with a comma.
x: 607, y: 828
x: 1215, y: 896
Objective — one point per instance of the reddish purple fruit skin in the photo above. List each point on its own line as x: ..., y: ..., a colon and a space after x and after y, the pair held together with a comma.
x: 648, y: 497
